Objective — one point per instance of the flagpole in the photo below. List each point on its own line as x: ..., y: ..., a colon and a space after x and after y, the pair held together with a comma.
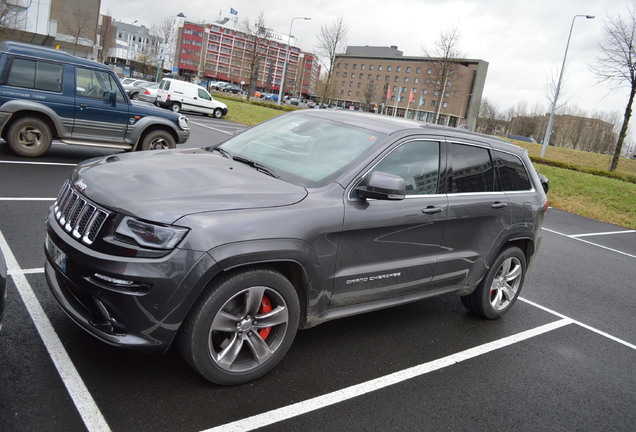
x: 397, y: 98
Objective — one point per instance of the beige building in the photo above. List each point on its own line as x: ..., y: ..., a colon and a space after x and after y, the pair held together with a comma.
x: 381, y: 79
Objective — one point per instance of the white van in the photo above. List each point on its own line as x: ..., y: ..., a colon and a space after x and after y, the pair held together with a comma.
x: 184, y: 96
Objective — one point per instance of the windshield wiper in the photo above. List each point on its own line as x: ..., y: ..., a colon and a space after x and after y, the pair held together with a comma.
x: 258, y: 166
x: 224, y: 152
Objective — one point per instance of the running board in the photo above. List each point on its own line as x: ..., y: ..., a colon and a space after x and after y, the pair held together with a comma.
x: 97, y: 144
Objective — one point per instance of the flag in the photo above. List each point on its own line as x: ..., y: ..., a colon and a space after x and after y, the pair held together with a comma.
x: 233, y: 12
x: 388, y: 93
x: 421, y: 100
x: 411, y: 97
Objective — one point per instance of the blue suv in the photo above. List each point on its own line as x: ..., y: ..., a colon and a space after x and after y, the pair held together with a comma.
x: 47, y: 94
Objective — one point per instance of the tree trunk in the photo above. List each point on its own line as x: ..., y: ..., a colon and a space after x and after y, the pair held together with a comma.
x: 623, y: 132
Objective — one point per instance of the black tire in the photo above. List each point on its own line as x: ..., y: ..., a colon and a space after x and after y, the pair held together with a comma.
x: 226, y: 337
x: 500, y: 288
x: 134, y: 96
x: 29, y: 136
x: 218, y: 113
x: 175, y: 107
x: 158, y: 140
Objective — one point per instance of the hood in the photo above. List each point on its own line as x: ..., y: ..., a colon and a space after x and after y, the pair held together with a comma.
x: 163, y: 186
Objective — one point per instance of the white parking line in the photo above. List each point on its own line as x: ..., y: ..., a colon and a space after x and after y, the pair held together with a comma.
x: 25, y: 271
x: 579, y: 323
x: 26, y: 199
x: 38, y: 163
x: 86, y: 406
x: 210, y: 127
x: 590, y: 243
x: 602, y: 233
x: 304, y: 407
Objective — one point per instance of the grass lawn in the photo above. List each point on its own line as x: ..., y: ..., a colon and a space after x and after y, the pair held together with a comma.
x: 600, y: 198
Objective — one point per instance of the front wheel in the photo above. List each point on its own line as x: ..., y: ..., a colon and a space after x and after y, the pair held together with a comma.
x: 500, y: 288
x: 218, y: 113
x: 241, y: 327
x: 158, y: 140
x: 29, y: 136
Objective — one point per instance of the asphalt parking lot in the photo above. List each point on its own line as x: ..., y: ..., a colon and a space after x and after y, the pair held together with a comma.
x: 562, y: 359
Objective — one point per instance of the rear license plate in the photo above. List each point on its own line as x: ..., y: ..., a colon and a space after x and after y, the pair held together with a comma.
x: 57, y: 256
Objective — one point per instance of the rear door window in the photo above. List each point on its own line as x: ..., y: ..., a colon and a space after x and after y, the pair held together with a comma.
x: 471, y: 169
x: 37, y: 75
x: 511, y: 173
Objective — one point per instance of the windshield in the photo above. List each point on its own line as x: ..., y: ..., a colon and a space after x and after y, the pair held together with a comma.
x: 303, y: 150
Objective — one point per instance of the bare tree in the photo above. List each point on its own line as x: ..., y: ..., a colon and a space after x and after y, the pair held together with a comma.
x: 444, y: 56
x: 166, y: 33
x: 11, y: 20
x: 331, y: 41
x: 255, y: 50
x: 617, y: 65
x: 550, y: 88
x: 107, y: 34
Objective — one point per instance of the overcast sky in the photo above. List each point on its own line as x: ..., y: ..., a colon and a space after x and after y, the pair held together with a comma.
x: 523, y: 41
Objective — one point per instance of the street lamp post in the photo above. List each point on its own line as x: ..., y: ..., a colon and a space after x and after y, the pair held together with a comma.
x: 128, y: 43
x: 282, y: 79
x: 548, y: 130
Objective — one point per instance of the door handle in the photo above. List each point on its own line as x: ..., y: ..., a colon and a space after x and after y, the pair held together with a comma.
x: 499, y: 205
x: 432, y: 210
x: 195, y: 97
x: 82, y: 106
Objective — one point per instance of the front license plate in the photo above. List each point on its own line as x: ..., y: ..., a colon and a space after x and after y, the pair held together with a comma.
x: 58, y: 257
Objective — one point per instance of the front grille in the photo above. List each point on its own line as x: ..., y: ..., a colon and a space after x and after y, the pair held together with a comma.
x: 77, y: 216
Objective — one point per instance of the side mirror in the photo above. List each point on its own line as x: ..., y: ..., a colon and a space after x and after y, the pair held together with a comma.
x: 112, y: 97
x: 383, y: 186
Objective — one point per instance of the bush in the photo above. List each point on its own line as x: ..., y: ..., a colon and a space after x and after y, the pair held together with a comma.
x: 613, y: 175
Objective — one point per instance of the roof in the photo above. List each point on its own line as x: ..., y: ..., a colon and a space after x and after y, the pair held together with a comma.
x: 392, y: 125
x: 46, y: 53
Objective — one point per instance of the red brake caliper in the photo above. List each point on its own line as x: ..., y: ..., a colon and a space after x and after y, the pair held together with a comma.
x: 266, y: 306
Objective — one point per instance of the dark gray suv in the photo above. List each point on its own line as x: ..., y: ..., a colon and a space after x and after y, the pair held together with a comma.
x: 311, y: 216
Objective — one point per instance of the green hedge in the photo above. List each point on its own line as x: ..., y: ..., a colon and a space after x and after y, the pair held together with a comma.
x: 613, y: 175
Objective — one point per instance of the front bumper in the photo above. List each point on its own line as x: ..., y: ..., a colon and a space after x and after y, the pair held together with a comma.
x: 145, y: 315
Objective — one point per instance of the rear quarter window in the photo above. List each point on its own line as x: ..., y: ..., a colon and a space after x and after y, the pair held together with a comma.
x: 34, y: 74
x: 511, y: 172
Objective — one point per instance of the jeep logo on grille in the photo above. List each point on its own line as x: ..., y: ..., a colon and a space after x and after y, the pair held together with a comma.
x: 80, y: 185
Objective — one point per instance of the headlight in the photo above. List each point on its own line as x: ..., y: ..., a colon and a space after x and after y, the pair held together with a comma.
x: 183, y: 122
x: 151, y: 235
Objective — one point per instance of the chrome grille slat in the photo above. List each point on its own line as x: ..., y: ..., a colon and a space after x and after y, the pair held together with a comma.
x: 77, y: 216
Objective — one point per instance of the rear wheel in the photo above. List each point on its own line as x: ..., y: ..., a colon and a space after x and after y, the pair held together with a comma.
x: 175, y: 107
x: 158, y: 140
x: 241, y: 327
x: 29, y: 136
x: 500, y: 288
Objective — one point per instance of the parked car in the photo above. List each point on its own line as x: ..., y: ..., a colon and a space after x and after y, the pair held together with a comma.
x: 217, y: 85
x: 522, y: 138
x: 294, y: 101
x: 47, y: 94
x: 127, y: 80
x: 184, y: 96
x: 3, y: 286
x: 271, y: 97
x: 310, y: 216
x: 258, y: 94
x: 134, y: 88
x: 148, y: 92
x: 231, y: 88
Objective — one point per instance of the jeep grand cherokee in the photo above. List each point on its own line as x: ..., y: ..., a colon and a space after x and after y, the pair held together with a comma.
x: 311, y: 216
